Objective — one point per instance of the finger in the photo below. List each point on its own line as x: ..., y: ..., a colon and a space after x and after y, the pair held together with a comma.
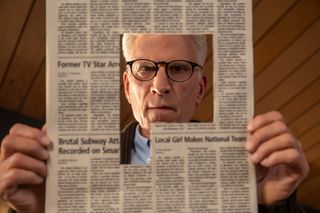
x: 30, y: 132
x: 12, y: 144
x: 263, y: 120
x: 20, y: 161
x: 289, y: 157
x: 266, y: 133
x: 281, y: 142
x: 15, y: 177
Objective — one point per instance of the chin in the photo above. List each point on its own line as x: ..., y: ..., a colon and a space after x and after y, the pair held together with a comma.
x: 159, y: 118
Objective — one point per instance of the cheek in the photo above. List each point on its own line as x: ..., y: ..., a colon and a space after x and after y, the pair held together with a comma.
x: 188, y: 98
x: 190, y: 93
x: 137, y: 97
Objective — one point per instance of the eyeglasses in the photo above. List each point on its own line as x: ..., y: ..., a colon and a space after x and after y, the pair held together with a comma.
x: 177, y: 70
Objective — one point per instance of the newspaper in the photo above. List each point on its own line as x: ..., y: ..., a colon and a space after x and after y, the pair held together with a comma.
x: 195, y: 167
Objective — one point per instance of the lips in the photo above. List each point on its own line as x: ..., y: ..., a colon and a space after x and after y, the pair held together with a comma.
x: 161, y: 113
x: 163, y: 107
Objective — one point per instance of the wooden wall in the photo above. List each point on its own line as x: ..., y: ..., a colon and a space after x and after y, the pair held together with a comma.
x: 287, y: 75
x: 22, y: 56
x: 286, y: 62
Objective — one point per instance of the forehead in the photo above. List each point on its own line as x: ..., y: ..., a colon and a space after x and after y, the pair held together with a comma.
x: 164, y: 47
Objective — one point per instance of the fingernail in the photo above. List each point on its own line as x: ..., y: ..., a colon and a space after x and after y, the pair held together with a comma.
x: 249, y: 127
x: 39, y: 179
x: 248, y: 146
x: 45, y: 141
x: 44, y: 154
x: 254, y: 158
x: 264, y: 162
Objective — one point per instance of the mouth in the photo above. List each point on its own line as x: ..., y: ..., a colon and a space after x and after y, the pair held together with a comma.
x: 161, y: 113
x: 164, y: 108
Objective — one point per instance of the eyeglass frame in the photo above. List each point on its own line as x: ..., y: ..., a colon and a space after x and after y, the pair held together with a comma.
x: 193, y: 65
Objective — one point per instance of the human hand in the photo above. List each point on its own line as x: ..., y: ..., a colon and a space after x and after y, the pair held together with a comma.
x: 280, y: 162
x: 23, y: 169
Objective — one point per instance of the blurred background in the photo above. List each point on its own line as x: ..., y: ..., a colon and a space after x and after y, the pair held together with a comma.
x: 286, y: 38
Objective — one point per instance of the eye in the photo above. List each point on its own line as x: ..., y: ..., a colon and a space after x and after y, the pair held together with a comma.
x: 178, y: 67
x: 146, y: 68
x: 143, y: 66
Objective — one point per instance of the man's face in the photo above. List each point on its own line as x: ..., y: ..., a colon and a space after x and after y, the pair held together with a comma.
x: 161, y: 99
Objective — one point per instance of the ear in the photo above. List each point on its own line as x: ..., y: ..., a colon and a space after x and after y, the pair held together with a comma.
x: 125, y: 79
x: 202, y: 89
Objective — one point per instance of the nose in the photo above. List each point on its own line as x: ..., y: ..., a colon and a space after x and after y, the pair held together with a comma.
x: 161, y: 84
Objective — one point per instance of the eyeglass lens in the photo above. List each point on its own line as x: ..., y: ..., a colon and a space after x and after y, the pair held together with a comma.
x: 176, y: 70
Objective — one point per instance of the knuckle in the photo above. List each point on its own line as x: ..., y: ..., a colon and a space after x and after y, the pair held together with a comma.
x: 285, y: 138
x: 282, y: 127
x: 13, y: 173
x: 258, y: 119
x: 277, y: 115
x: 16, y: 159
x: 15, y: 128
x: 24, y: 130
x: 3, y: 185
x: 293, y: 156
x: 289, y: 139
x: 6, y: 142
x: 258, y: 136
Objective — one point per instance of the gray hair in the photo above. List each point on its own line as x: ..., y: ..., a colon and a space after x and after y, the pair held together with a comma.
x: 128, y: 40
